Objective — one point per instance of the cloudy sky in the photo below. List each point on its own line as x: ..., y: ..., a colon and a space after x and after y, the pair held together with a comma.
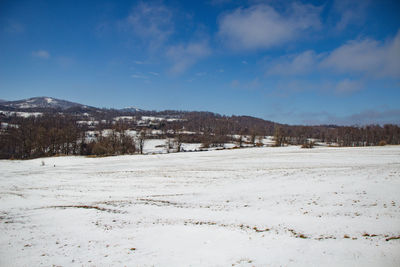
x: 296, y: 62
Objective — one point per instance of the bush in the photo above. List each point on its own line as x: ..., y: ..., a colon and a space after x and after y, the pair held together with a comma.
x: 206, y: 144
x: 307, y: 145
x: 382, y: 143
x: 99, y: 149
x: 259, y: 144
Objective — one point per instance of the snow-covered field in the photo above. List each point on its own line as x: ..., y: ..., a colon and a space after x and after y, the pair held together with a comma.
x: 246, y: 207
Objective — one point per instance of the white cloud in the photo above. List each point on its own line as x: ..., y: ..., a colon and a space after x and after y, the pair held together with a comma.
x: 41, y: 54
x: 347, y: 86
x: 370, y: 57
x: 154, y: 73
x: 151, y: 22
x: 299, y: 64
x: 184, y: 56
x: 263, y: 27
x: 365, y: 57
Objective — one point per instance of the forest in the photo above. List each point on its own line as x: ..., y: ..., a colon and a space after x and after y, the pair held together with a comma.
x: 55, y: 133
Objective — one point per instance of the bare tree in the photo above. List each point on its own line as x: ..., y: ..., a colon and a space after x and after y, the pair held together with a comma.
x: 141, y: 140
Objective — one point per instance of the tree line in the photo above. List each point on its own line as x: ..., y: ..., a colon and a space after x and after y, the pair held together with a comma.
x: 54, y: 134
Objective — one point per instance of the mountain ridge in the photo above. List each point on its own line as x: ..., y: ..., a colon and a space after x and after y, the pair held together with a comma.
x: 41, y: 102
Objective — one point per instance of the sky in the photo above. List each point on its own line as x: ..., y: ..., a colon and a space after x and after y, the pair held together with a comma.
x: 295, y: 62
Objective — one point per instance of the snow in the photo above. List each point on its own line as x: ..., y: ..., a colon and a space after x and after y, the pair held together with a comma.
x: 26, y: 105
x: 124, y: 118
x: 154, y: 146
x: 131, y: 133
x: 90, y: 123
x: 152, y: 118
x: 21, y: 114
x: 175, y: 119
x: 133, y: 108
x: 248, y: 207
x: 50, y: 100
x: 156, y: 132
x: 4, y: 125
x: 191, y: 147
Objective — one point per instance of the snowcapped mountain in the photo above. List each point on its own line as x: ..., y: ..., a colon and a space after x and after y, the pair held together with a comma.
x: 41, y: 102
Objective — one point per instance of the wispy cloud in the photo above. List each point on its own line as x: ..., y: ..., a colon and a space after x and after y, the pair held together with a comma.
x: 298, y: 64
x: 348, y: 86
x: 377, y: 115
x: 350, y: 12
x: 200, y: 74
x: 246, y: 85
x: 365, y: 117
x: 43, y: 54
x: 151, y: 22
x: 367, y: 57
x: 65, y: 61
x: 262, y: 27
x: 235, y: 83
x: 288, y: 87
x: 139, y: 76
x: 184, y: 56
x: 14, y: 27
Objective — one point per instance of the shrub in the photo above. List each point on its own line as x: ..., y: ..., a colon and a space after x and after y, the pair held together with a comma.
x: 382, y: 143
x: 307, y: 145
x: 206, y: 144
x: 99, y: 149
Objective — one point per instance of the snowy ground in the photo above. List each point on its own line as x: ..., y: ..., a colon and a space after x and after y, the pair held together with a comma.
x: 246, y: 207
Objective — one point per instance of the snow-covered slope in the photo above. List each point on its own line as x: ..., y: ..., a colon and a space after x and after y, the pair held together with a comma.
x: 41, y: 102
x: 131, y: 109
x: 247, y: 207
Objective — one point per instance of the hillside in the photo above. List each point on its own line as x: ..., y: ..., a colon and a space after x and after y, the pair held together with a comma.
x: 44, y: 126
x: 42, y: 103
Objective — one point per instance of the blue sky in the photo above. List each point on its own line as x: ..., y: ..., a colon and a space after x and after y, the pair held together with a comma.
x: 296, y: 62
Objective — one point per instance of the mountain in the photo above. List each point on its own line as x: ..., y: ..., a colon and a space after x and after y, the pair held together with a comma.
x: 131, y: 109
x: 41, y: 102
x: 189, y: 120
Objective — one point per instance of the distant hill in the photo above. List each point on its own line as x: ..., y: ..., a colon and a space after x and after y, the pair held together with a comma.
x: 131, y: 109
x: 101, y: 131
x: 189, y: 120
x: 41, y: 102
